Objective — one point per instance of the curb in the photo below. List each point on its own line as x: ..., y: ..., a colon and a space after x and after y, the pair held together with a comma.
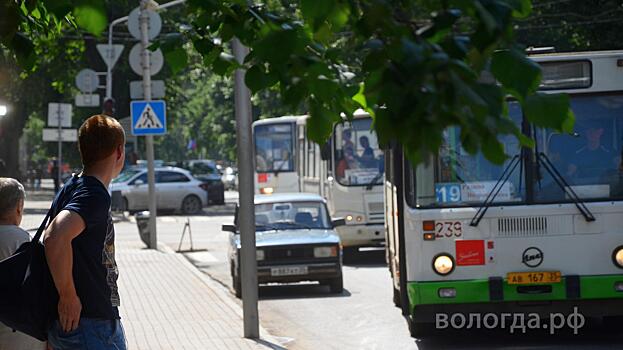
x: 222, y: 292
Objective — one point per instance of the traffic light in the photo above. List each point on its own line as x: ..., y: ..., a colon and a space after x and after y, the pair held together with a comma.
x: 109, y: 107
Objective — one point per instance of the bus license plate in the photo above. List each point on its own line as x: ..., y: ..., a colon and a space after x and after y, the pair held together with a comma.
x: 288, y: 271
x: 542, y: 277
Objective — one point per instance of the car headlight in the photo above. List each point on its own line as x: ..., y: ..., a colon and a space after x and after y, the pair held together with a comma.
x: 617, y: 257
x: 259, y: 254
x: 325, y: 252
x: 443, y: 264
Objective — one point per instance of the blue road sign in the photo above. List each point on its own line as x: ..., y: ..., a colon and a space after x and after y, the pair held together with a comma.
x: 148, y: 118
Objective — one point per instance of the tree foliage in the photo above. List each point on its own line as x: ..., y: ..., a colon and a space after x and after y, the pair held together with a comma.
x: 415, y: 75
x: 416, y: 66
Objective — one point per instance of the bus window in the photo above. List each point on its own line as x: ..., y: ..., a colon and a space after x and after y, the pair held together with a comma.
x: 358, y: 159
x: 457, y: 178
x: 590, y: 158
x: 273, y: 148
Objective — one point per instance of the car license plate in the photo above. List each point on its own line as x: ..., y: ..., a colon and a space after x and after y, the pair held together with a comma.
x: 542, y: 277
x: 288, y: 271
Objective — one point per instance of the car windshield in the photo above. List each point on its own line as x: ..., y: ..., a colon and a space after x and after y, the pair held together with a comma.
x: 291, y: 215
x: 201, y: 168
x: 274, y: 147
x: 457, y: 178
x: 358, y: 159
x: 590, y: 158
x: 125, y: 176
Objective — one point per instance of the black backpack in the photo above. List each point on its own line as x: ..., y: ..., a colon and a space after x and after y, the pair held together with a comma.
x: 28, y: 298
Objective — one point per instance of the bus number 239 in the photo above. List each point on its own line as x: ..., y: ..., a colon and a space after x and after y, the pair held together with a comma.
x: 447, y: 229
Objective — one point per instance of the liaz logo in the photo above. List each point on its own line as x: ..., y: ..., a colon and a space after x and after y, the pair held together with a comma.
x: 532, y: 257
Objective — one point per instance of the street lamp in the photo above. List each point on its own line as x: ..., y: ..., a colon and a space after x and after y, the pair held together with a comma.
x: 3, y: 110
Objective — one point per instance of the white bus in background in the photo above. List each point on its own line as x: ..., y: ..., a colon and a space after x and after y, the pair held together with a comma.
x: 275, y: 154
x: 540, y: 234
x: 348, y: 171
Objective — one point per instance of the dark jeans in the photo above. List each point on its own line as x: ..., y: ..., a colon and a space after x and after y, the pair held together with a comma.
x: 91, y: 334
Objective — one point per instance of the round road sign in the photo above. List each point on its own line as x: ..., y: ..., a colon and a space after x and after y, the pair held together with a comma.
x: 155, y: 24
x: 156, y: 60
x: 87, y: 80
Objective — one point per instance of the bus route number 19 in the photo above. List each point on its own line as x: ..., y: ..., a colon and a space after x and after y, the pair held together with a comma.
x: 448, y: 192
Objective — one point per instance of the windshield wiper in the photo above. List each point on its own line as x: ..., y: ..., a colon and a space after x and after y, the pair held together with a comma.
x: 508, y: 170
x: 370, y: 185
x: 298, y: 224
x: 264, y: 227
x: 542, y: 158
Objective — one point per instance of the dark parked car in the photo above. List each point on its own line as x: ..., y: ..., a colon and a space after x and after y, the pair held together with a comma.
x: 205, y: 170
x: 296, y: 241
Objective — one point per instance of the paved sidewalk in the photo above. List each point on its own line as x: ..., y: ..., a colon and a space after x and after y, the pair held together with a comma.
x: 166, y: 303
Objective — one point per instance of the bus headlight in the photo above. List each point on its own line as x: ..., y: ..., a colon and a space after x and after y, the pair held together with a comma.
x: 259, y: 254
x: 325, y: 252
x: 443, y: 264
x: 349, y: 217
x: 266, y: 190
x: 617, y: 257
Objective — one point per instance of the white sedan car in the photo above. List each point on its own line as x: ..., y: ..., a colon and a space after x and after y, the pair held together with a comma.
x: 175, y: 189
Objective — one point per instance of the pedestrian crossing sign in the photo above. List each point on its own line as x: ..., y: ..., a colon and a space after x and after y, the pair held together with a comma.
x: 148, y: 117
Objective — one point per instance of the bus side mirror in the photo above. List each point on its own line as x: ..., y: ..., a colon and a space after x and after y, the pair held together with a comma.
x: 325, y: 151
x: 229, y: 228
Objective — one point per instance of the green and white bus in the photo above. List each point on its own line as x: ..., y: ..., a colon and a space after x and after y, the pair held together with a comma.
x: 541, y: 233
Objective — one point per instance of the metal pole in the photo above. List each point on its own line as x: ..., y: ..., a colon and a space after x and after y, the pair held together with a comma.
x: 59, y: 160
x: 149, y: 139
x: 246, y: 216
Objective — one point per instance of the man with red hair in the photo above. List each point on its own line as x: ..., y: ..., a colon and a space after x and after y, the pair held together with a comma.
x: 80, y: 244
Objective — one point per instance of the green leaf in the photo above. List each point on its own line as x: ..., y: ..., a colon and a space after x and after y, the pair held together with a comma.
x: 177, y: 59
x: 518, y: 74
x: 257, y: 79
x: 24, y: 51
x: 9, y: 20
x: 550, y: 111
x: 91, y: 16
x: 360, y: 97
x: 316, y: 11
x: 492, y: 149
x: 521, y: 8
x: 59, y: 8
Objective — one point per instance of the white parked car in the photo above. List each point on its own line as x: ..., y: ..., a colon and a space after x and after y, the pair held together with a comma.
x: 175, y: 189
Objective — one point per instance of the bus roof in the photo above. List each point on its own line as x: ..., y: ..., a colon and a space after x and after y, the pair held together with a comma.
x: 287, y: 197
x: 581, y: 72
x: 283, y: 119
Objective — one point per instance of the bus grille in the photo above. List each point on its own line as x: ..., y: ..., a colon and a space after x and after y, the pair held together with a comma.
x: 376, y: 211
x: 522, y: 226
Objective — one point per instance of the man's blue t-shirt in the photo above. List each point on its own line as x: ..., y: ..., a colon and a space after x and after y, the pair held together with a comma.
x: 94, y: 268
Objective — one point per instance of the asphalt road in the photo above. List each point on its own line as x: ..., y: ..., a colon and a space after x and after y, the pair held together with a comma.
x: 308, y: 316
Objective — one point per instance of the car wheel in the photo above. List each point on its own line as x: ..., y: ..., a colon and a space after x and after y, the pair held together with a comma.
x: 336, y: 285
x: 191, y: 205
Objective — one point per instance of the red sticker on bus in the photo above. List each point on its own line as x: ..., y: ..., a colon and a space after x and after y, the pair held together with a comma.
x: 262, y: 177
x: 470, y: 252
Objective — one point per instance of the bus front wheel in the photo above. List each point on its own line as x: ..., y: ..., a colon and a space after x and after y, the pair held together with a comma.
x: 420, y: 329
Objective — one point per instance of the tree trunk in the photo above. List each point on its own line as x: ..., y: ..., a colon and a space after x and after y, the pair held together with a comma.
x: 11, y: 127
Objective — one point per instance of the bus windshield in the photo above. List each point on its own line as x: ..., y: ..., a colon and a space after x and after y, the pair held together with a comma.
x: 590, y: 158
x: 457, y: 178
x: 274, y: 148
x: 358, y: 159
